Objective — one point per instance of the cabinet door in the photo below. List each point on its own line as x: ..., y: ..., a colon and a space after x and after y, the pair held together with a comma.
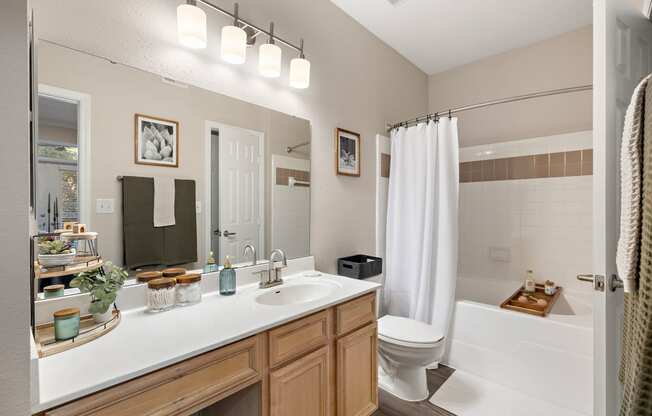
x: 357, y: 375
x: 301, y: 388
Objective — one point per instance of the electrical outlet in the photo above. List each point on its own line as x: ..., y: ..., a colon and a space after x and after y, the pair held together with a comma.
x: 104, y: 206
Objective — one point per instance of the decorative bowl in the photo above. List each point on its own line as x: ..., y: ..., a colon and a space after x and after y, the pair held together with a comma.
x: 51, y: 260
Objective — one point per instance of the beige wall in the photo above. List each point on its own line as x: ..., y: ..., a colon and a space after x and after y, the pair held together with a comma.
x: 560, y: 62
x: 117, y: 93
x: 14, y: 208
x: 357, y: 83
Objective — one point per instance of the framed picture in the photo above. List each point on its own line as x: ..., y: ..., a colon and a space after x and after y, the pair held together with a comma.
x: 156, y: 141
x: 347, y: 152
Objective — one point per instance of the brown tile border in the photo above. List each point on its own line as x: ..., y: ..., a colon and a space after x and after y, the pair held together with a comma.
x: 283, y: 175
x: 385, y: 162
x: 545, y: 165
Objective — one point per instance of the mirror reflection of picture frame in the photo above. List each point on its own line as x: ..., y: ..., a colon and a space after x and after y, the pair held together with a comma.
x: 347, y: 152
x: 156, y: 141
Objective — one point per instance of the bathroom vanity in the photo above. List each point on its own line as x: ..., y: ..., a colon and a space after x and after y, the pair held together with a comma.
x: 311, y: 352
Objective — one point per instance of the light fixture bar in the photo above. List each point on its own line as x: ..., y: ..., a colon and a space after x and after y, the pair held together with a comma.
x: 244, y: 22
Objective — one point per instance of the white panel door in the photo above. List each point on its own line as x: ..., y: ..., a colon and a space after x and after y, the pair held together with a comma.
x: 239, y: 194
x: 621, y: 57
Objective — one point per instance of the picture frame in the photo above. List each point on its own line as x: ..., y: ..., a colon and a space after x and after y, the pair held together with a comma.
x: 347, y: 153
x: 156, y: 141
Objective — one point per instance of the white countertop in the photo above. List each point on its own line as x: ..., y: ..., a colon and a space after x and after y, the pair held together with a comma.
x: 145, y: 342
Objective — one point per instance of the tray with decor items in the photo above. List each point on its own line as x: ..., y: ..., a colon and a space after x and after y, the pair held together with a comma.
x: 89, y: 330
x: 534, y: 303
x: 79, y: 265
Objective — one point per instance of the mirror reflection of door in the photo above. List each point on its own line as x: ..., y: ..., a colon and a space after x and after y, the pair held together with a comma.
x: 57, y: 196
x: 236, y: 192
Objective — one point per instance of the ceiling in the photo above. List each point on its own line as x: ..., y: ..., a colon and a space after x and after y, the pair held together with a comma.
x: 437, y: 35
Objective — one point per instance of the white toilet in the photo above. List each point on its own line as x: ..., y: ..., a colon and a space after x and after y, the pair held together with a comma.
x: 406, y: 348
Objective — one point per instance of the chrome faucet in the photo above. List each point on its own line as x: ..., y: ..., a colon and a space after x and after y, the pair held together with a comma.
x: 251, y: 248
x: 266, y: 279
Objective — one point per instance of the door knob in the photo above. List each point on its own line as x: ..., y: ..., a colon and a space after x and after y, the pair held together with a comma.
x: 226, y: 233
x: 598, y: 281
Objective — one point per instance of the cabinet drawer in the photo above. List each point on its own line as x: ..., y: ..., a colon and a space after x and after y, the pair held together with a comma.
x: 299, y: 337
x: 355, y: 314
x: 181, y: 389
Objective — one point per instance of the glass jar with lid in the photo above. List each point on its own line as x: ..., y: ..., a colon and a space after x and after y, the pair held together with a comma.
x: 160, y: 294
x: 188, y: 289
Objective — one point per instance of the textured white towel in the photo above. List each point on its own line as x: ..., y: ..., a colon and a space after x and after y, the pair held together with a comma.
x: 631, y: 156
x: 163, y: 202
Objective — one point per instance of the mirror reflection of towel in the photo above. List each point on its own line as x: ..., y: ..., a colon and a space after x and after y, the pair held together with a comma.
x: 146, y: 245
x: 163, y: 202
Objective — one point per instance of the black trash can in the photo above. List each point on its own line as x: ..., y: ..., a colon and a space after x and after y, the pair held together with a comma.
x: 359, y: 266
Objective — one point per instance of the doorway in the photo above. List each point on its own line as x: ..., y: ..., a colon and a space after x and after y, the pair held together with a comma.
x: 235, y: 196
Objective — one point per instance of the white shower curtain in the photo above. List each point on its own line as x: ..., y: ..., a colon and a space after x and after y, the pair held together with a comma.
x: 421, y: 251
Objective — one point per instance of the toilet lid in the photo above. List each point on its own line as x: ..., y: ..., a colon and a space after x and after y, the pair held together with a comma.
x: 404, y: 330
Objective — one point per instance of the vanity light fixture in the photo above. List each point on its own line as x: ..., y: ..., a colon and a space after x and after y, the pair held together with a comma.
x: 233, y: 48
x: 269, y: 57
x: 300, y: 71
x: 191, y: 25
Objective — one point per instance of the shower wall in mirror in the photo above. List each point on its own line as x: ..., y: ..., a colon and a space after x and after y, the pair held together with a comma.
x: 166, y: 172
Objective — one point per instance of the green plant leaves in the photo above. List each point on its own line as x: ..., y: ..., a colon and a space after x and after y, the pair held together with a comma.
x: 102, y: 288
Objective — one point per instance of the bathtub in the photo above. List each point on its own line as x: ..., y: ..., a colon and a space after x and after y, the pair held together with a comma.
x: 548, y: 358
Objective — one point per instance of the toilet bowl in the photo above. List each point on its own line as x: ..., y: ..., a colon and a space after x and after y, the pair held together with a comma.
x: 405, y: 349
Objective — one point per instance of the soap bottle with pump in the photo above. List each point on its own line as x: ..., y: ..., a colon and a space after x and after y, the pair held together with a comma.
x: 530, y: 284
x: 210, y: 266
x: 227, y: 279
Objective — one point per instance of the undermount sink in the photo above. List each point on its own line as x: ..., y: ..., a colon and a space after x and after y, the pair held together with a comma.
x: 296, y: 293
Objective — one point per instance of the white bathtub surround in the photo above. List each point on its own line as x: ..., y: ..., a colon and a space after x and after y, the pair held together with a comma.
x: 510, y: 226
x: 422, y: 223
x: 467, y: 395
x: 177, y: 335
x: 548, y: 359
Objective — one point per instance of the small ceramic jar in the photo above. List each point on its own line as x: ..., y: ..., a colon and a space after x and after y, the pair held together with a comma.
x: 188, y: 289
x: 66, y: 324
x: 550, y: 287
x: 160, y: 294
x: 53, y: 291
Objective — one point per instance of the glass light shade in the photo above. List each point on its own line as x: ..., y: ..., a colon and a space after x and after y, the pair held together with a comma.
x: 191, y: 26
x: 234, y: 45
x: 300, y: 73
x: 269, y: 60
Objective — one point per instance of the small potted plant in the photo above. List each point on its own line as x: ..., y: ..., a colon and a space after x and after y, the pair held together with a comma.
x: 53, y: 252
x: 103, y: 289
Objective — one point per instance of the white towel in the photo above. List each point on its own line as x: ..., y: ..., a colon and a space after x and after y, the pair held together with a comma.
x: 163, y: 202
x: 631, y: 171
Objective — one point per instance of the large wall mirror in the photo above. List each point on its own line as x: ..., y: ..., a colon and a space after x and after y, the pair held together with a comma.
x: 164, y: 172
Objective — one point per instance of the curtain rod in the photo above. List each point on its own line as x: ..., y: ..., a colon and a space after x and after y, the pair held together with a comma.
x: 451, y: 111
x: 290, y: 149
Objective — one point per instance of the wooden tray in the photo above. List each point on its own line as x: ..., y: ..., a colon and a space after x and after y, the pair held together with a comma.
x: 531, y: 307
x: 81, y: 264
x: 46, y: 345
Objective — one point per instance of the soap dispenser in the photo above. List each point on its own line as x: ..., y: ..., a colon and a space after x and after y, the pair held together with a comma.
x: 530, y: 284
x: 227, y: 279
x: 210, y: 266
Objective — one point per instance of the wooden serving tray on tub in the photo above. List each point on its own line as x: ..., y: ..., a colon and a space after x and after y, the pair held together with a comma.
x: 531, y: 306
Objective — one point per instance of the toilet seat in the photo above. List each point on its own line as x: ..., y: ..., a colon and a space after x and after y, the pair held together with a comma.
x: 408, y: 332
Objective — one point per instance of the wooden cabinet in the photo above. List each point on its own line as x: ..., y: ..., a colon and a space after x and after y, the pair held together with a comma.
x: 181, y: 389
x: 320, y: 365
x: 302, y: 387
x: 357, y: 374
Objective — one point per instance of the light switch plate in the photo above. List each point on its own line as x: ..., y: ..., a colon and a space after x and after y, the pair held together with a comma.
x: 104, y: 206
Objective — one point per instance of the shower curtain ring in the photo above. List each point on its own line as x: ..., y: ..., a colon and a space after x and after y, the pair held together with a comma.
x: 449, y: 115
